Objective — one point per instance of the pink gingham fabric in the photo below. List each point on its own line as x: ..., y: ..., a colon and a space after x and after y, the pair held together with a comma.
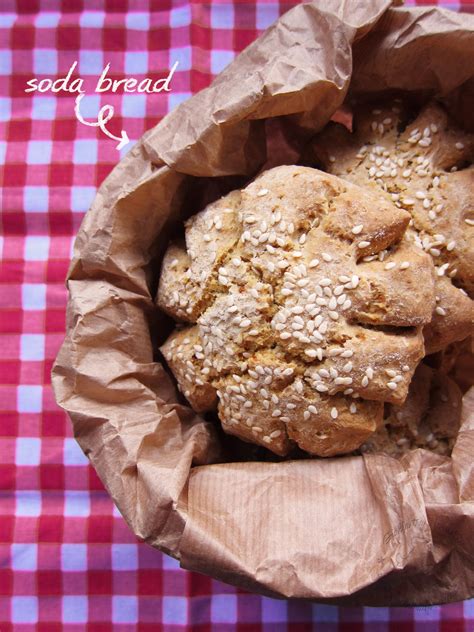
x: 67, y: 559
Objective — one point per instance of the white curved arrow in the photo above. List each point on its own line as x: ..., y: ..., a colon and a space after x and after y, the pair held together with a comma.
x: 104, y: 116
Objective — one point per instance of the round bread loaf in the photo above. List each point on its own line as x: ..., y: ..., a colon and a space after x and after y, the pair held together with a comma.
x: 301, y: 306
x: 423, y: 164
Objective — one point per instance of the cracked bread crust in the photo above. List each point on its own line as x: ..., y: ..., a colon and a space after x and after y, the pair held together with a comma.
x: 420, y: 167
x: 298, y: 337
x: 429, y: 418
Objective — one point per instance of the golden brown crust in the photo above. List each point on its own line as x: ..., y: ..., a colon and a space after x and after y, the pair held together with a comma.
x: 429, y: 418
x: 310, y: 304
x: 418, y: 168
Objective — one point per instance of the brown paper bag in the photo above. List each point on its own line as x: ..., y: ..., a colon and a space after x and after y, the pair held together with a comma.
x: 355, y: 530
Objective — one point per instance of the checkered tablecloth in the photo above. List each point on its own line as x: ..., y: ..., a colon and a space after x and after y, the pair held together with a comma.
x: 67, y: 559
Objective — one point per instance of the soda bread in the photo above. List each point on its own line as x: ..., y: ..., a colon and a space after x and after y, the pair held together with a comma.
x: 301, y: 307
x: 424, y: 167
x: 429, y: 418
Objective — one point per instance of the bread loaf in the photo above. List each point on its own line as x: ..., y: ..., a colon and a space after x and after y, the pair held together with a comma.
x: 422, y: 162
x: 300, y: 306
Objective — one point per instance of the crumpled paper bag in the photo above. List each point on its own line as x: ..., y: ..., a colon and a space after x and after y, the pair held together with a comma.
x: 354, y: 530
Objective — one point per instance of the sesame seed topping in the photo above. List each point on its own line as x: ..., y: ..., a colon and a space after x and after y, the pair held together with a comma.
x: 353, y: 408
x: 390, y: 265
x: 363, y: 244
x: 392, y: 385
x: 334, y: 413
x: 404, y: 265
x: 327, y: 257
x: 470, y: 222
x: 442, y: 269
x: 332, y: 158
x: 459, y: 145
x: 311, y: 353
x: 357, y: 229
x: 262, y: 192
x: 440, y: 311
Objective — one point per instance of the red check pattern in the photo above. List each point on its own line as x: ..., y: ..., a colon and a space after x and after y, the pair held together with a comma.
x: 67, y: 559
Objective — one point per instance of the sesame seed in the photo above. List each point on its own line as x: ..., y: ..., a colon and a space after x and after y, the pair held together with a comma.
x: 312, y: 409
x: 365, y: 381
x: 450, y: 246
x: 276, y: 412
x: 334, y: 413
x: 442, y: 269
x: 440, y: 311
x: 459, y: 145
x: 246, y: 322
x: 390, y: 265
x: 392, y: 385
x: 327, y: 257
x: 363, y: 244
x: 322, y: 388
x: 262, y: 192
x: 357, y: 229
x: 408, y: 202
x: 353, y: 408
x: 424, y: 142
x: 332, y: 158
x: 306, y: 415
x: 311, y: 353
x: 470, y: 222
x: 404, y: 265
x: 406, y: 173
